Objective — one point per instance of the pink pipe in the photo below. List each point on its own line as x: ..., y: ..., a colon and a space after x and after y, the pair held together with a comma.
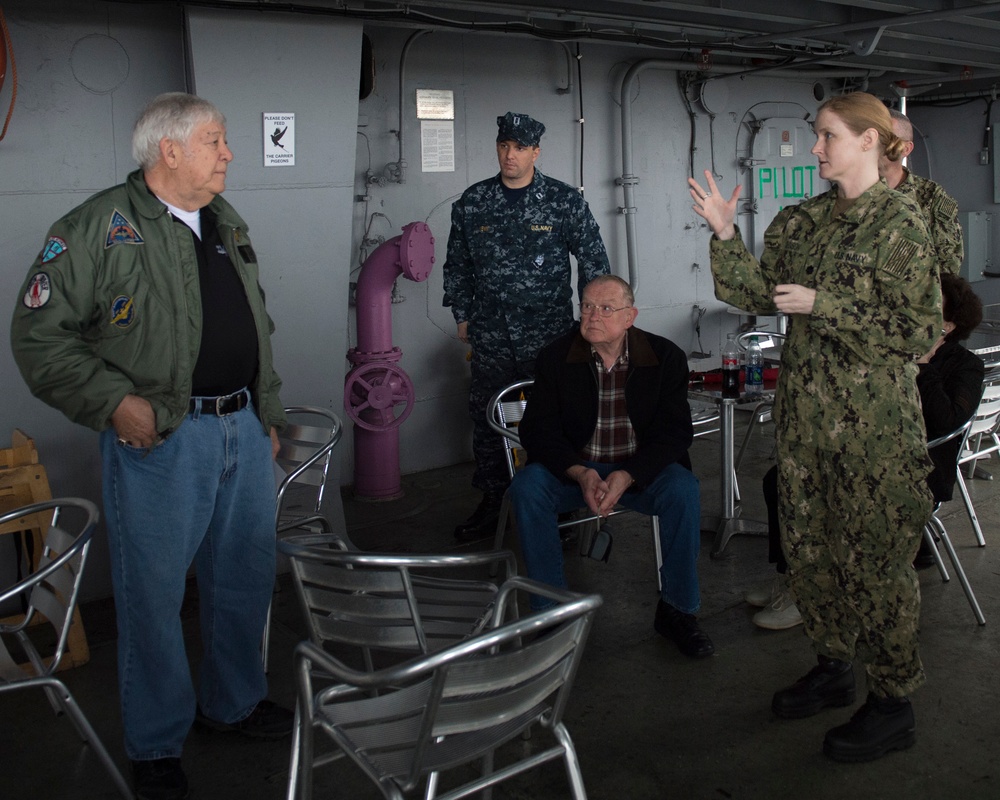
x: 377, y: 383
x: 411, y: 254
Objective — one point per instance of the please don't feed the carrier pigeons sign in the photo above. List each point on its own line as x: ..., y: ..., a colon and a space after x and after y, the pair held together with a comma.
x: 279, y: 139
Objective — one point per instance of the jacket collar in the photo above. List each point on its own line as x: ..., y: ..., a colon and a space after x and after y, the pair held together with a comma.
x: 640, y: 351
x: 150, y: 206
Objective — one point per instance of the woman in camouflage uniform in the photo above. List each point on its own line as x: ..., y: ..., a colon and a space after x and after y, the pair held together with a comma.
x: 855, y: 271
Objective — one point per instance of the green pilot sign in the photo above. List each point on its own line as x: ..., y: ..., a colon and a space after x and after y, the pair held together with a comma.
x: 780, y: 183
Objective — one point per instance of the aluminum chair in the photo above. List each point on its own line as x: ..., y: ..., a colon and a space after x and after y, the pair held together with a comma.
x: 991, y: 364
x: 504, y: 413
x: 934, y: 527
x: 387, y: 604
x: 982, y: 426
x: 51, y: 592
x: 405, y: 724
x: 305, y: 451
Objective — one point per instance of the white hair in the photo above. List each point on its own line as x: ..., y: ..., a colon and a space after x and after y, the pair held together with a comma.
x: 173, y: 115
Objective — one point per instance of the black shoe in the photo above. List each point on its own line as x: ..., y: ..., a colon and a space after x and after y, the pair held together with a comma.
x: 267, y: 721
x: 925, y: 556
x: 159, y: 779
x: 830, y: 683
x: 683, y: 629
x: 483, y: 521
x: 881, y: 725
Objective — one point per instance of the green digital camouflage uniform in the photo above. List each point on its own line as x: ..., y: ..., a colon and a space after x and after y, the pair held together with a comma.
x: 508, y: 275
x: 852, y: 458
x: 941, y: 215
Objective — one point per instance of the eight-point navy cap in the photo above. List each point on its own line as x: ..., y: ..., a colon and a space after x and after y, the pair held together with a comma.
x: 520, y: 128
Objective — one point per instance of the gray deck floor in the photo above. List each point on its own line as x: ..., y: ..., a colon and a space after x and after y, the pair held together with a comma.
x: 648, y: 723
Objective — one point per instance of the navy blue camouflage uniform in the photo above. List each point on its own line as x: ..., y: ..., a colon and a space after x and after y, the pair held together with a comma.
x: 508, y: 274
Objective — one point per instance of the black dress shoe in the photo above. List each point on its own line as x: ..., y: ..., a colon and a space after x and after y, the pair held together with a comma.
x: 830, y: 683
x: 483, y: 521
x: 684, y: 630
x: 267, y: 721
x: 159, y: 779
x: 881, y: 725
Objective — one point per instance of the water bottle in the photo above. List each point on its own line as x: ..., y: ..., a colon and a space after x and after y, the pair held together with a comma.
x: 731, y: 368
x: 754, y: 381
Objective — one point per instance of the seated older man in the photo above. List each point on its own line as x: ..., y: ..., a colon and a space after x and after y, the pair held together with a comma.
x: 608, y: 422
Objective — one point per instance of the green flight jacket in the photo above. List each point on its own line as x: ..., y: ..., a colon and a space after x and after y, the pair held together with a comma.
x: 848, y: 373
x: 112, y: 306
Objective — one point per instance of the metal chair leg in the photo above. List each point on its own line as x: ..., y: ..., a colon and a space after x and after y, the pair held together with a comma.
x: 967, y: 499
x: 929, y: 538
x: 959, y: 571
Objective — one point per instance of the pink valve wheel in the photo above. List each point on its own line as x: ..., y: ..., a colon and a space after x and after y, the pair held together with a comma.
x: 373, y: 393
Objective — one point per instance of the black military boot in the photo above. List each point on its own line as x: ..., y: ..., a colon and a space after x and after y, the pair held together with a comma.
x: 830, y: 683
x: 881, y: 725
x: 483, y: 521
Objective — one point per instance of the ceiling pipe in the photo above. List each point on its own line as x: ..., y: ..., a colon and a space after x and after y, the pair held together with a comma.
x: 895, y: 21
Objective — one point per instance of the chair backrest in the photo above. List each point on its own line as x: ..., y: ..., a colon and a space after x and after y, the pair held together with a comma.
x: 989, y: 355
x: 304, y: 455
x: 770, y: 343
x: 705, y: 419
x: 504, y: 413
x: 53, y: 588
x: 396, y: 603
x: 454, y: 706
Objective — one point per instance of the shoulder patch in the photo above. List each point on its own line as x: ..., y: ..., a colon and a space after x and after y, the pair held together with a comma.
x: 946, y: 207
x: 121, y: 231
x: 54, y: 248
x: 122, y: 311
x: 900, y: 256
x: 38, y: 292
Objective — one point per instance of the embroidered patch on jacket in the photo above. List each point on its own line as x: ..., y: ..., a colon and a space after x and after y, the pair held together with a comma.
x: 900, y: 257
x: 122, y: 311
x: 946, y: 207
x: 54, y: 248
x: 121, y: 231
x: 39, y: 291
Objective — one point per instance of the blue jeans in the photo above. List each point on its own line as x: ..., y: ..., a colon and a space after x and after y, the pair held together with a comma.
x: 204, y: 496
x: 538, y: 497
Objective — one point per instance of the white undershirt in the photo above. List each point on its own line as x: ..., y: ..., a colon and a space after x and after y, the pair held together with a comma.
x: 190, y: 218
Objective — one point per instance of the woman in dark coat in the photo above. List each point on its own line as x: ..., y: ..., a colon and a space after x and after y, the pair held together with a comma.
x: 950, y: 380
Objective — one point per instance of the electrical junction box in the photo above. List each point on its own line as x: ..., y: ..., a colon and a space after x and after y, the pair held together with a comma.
x: 977, y: 230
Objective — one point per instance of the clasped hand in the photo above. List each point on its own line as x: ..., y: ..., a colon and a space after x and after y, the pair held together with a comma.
x: 602, y: 494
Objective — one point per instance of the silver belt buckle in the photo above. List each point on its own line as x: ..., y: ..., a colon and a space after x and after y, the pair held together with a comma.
x: 218, y: 405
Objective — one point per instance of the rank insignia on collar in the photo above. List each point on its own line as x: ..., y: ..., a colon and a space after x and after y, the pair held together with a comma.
x: 54, y: 248
x: 121, y: 231
x: 38, y: 292
x: 122, y: 311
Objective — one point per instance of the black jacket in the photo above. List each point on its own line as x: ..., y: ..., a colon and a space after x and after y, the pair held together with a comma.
x: 562, y: 410
x: 950, y: 387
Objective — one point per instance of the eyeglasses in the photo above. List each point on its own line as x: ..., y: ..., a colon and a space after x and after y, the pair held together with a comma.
x: 586, y: 309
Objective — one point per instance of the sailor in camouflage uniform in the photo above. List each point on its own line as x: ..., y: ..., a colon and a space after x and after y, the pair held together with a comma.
x: 939, y: 208
x: 508, y: 281
x: 855, y: 270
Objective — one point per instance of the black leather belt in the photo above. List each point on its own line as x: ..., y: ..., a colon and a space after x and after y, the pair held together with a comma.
x: 222, y: 405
